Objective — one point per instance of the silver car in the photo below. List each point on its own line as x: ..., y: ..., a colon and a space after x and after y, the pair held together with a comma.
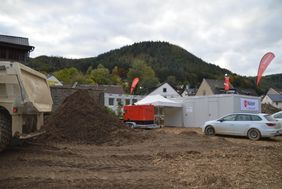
x: 254, y: 126
x: 277, y: 116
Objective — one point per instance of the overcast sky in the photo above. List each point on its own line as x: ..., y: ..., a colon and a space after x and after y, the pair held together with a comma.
x: 233, y: 34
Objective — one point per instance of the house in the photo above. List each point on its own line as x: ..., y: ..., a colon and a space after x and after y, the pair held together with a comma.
x: 274, y: 91
x: 14, y: 48
x: 212, y: 87
x: 188, y: 91
x: 273, y: 97
x: 250, y: 92
x: 165, y: 90
x: 116, y: 101
x: 53, y: 81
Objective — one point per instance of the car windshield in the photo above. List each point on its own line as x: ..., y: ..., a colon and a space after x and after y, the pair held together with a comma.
x: 269, y: 118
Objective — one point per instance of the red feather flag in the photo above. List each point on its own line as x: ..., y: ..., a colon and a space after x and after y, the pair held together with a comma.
x: 265, y: 61
x: 134, y: 83
x: 226, y: 83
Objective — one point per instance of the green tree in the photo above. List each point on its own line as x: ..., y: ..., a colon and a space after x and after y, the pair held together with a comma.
x: 171, y: 79
x: 146, y: 75
x: 116, y: 77
x: 100, y: 75
x: 69, y: 75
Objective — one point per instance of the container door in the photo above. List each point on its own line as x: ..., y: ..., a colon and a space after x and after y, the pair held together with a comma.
x: 213, y: 110
x: 188, y: 114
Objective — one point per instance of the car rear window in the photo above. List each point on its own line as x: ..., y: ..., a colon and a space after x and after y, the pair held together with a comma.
x: 255, y: 118
x: 269, y: 118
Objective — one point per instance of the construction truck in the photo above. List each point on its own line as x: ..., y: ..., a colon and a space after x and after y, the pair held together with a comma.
x: 24, y: 98
x: 140, y: 116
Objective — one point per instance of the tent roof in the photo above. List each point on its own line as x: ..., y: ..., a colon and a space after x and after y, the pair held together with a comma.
x: 158, y: 100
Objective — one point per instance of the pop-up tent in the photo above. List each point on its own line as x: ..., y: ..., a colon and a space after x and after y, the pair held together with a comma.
x: 169, y: 112
x: 158, y: 100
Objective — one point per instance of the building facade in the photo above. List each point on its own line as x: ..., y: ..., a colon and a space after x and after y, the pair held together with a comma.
x: 166, y: 91
x: 13, y: 48
x: 116, y: 101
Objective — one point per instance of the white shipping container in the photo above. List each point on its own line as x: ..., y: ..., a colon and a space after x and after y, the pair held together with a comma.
x: 197, y: 110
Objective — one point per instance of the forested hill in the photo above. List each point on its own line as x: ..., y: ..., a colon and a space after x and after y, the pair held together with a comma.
x: 167, y: 60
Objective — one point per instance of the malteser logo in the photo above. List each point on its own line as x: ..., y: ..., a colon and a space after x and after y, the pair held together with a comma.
x: 249, y: 103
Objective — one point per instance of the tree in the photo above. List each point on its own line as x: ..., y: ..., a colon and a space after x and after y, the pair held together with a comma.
x: 146, y: 75
x: 116, y: 77
x: 100, y: 75
x: 69, y: 76
x: 171, y: 79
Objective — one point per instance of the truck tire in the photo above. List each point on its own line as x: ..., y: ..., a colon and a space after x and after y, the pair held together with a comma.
x: 5, y: 130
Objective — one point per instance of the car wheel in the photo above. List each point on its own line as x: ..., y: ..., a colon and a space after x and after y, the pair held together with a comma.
x: 209, y: 130
x: 254, y: 134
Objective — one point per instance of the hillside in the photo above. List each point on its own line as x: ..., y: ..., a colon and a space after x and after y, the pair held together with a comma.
x: 165, y: 59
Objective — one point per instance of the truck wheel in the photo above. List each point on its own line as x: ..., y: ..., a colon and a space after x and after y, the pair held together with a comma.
x: 5, y: 130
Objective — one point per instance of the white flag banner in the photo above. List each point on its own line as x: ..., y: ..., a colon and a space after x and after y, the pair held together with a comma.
x: 249, y: 104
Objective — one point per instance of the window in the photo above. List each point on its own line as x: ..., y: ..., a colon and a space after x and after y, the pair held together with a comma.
x: 111, y: 101
x: 127, y: 101
x: 229, y: 118
x: 164, y: 90
x: 269, y: 118
x: 278, y: 116
x: 119, y: 102
x: 134, y: 100
x: 242, y: 117
x: 255, y: 118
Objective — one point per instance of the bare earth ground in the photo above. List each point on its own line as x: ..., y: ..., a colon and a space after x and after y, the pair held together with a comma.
x: 174, y: 158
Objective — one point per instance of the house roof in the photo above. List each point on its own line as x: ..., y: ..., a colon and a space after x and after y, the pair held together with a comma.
x: 14, y: 40
x: 275, y: 97
x: 217, y: 85
x: 151, y: 90
x: 251, y: 92
x: 278, y: 90
x: 114, y: 89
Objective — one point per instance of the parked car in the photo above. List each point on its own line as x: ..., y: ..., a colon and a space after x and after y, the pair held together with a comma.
x: 277, y: 116
x: 254, y: 126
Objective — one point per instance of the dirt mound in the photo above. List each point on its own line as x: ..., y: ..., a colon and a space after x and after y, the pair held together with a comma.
x: 81, y: 119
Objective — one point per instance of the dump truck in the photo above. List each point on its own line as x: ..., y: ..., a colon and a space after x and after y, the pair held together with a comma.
x: 24, y: 98
x: 140, y: 116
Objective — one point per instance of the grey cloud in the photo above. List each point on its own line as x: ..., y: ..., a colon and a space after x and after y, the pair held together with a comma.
x: 232, y: 34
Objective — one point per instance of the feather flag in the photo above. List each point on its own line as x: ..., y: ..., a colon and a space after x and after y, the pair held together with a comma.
x: 265, y: 61
x: 226, y: 83
x: 134, y: 83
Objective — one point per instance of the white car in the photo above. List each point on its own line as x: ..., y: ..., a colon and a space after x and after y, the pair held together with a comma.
x: 254, y: 126
x: 277, y: 116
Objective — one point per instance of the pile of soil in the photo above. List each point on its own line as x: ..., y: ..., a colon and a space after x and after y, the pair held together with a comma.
x: 81, y: 119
